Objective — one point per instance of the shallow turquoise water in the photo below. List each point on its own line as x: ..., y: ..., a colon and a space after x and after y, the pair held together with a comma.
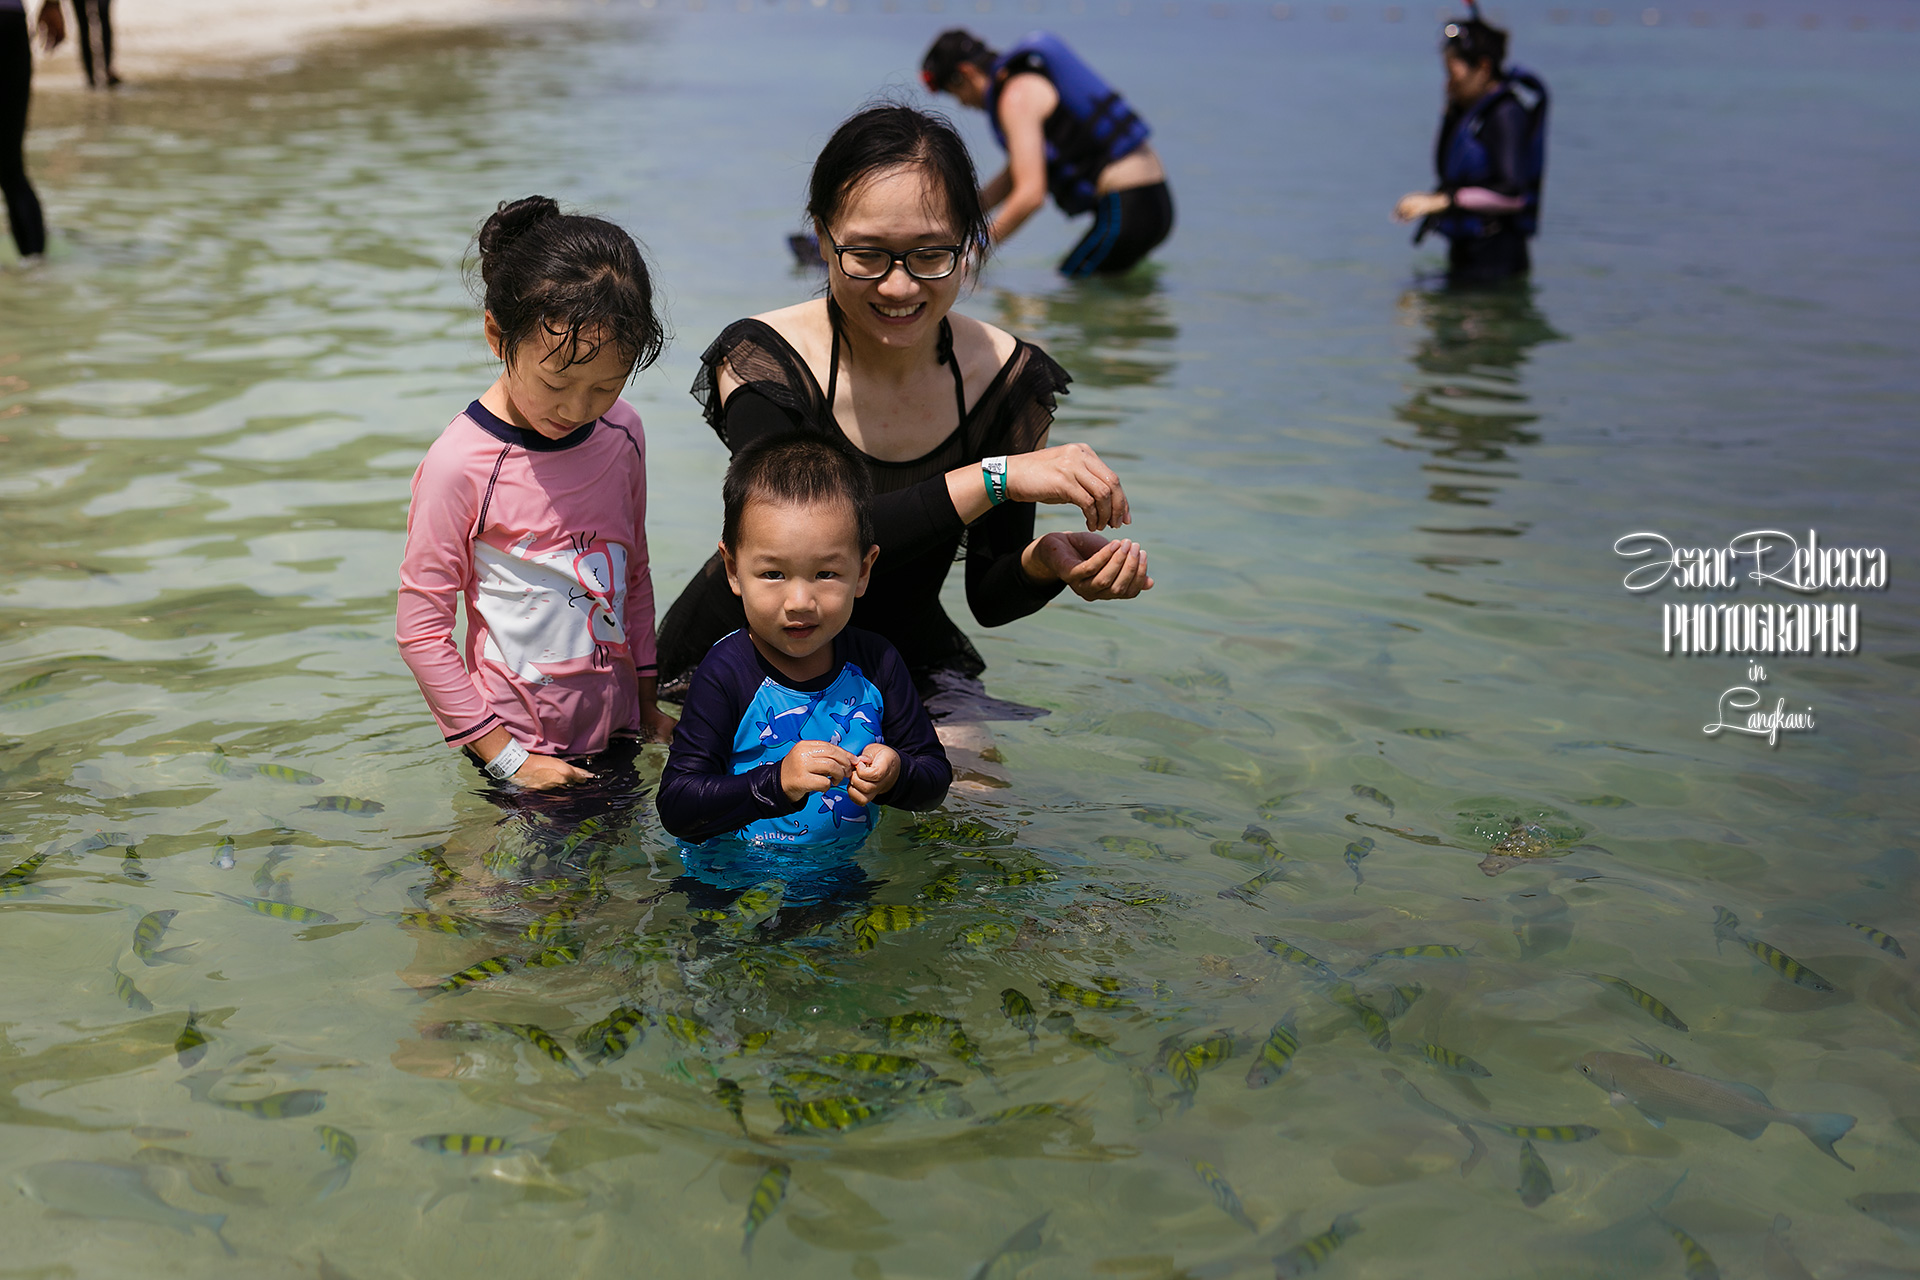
x: 1373, y: 507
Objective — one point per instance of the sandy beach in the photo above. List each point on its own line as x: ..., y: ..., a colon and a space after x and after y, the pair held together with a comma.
x: 156, y: 39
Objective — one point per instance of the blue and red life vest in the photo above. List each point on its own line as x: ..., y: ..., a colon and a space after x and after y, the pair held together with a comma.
x: 1091, y: 128
x: 1463, y: 161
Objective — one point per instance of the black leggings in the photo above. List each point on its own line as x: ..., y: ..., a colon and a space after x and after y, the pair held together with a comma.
x: 16, y: 90
x: 103, y: 10
x: 1127, y: 225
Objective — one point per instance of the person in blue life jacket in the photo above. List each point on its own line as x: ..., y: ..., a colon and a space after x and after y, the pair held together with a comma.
x: 1490, y: 157
x: 1065, y: 132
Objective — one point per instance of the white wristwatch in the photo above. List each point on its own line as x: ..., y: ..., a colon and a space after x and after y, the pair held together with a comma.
x: 508, y: 762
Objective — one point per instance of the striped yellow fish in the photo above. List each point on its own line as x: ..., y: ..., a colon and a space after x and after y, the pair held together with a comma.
x: 1700, y: 1264
x: 437, y: 922
x: 1651, y: 1006
x: 28, y: 685
x: 485, y: 971
x: 1027, y: 1111
x: 1726, y: 927
x: 1309, y: 1255
x: 1223, y: 1194
x: 988, y: 933
x: 765, y: 1199
x: 688, y: 1029
x: 1369, y: 1018
x: 1886, y: 942
x: 1159, y: 764
x: 20, y: 871
x: 905, y: 1028
x: 1433, y: 735
x: 1378, y: 797
x: 730, y: 1095
x: 1248, y: 890
x: 149, y: 931
x: 129, y: 994
x: 1133, y: 845
x: 1294, y: 955
x: 285, y: 773
x: 561, y: 953
x: 339, y: 1144
x: 880, y: 918
x: 808, y: 1078
x: 944, y: 888
x: 1536, y: 1181
x: 223, y: 765
x: 288, y: 1105
x: 1172, y: 817
x: 1356, y: 851
x: 555, y: 926
x: 1025, y: 876
x: 752, y: 1042
x: 1400, y: 999
x: 464, y: 1144
x: 1097, y: 1046
x: 1786, y: 966
x: 1275, y: 1054
x: 587, y: 830
x: 1086, y: 998
x: 1420, y: 951
x: 829, y: 1114
x: 889, y: 1065
x: 534, y: 1035
x: 1605, y: 802
x: 281, y: 910
x: 1542, y: 1132
x: 346, y: 804
x: 1019, y: 1011
x: 966, y: 1051
x: 1659, y: 1055
x: 1446, y: 1059
x: 191, y: 1044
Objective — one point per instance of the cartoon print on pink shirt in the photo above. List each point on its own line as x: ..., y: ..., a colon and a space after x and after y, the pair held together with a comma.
x: 546, y: 609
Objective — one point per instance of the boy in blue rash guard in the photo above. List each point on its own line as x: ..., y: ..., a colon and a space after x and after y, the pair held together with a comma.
x: 796, y: 726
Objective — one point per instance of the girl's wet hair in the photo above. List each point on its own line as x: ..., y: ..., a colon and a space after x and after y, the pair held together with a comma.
x: 892, y: 135
x: 1473, y: 40
x: 581, y: 281
x: 795, y: 470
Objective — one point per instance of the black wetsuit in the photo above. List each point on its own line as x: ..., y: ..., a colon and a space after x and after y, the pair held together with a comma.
x: 914, y: 519
x: 1486, y: 247
x: 1127, y: 226
x: 16, y: 90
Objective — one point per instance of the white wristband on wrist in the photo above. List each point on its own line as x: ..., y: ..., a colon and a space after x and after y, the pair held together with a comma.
x: 508, y: 762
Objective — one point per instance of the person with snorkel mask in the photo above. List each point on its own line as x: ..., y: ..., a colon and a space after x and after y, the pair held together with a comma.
x: 1490, y: 157
x: 1065, y: 132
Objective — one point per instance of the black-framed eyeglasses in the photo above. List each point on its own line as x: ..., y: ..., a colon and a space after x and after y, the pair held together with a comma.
x: 869, y: 262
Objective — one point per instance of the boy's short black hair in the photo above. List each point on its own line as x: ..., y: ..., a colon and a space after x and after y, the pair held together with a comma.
x: 799, y: 469
x: 952, y: 48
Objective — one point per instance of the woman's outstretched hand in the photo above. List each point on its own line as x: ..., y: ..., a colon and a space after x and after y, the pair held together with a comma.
x: 1094, y: 567
x: 1070, y: 473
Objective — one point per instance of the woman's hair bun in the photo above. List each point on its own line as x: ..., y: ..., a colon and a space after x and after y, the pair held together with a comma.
x: 511, y: 220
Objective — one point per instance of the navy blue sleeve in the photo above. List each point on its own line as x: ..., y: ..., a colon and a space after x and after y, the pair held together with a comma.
x: 925, y: 773
x: 1504, y: 134
x: 700, y: 796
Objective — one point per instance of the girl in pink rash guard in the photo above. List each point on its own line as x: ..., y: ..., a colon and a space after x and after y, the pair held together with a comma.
x: 531, y: 507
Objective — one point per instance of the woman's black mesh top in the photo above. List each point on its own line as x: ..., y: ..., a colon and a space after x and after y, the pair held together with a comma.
x: 918, y: 529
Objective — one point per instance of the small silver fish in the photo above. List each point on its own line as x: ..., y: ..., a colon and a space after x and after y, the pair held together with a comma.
x: 92, y: 1189
x: 1662, y: 1093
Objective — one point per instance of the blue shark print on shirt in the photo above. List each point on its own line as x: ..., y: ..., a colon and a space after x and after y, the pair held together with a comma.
x: 848, y: 713
x: 785, y: 727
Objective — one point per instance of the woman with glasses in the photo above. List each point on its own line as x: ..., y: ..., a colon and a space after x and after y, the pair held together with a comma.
x: 949, y: 415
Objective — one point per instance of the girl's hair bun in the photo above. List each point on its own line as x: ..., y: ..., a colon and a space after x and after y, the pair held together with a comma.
x: 511, y: 220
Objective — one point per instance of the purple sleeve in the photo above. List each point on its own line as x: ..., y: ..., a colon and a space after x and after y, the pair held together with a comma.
x: 700, y: 795
x: 925, y: 773
x: 1484, y: 200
